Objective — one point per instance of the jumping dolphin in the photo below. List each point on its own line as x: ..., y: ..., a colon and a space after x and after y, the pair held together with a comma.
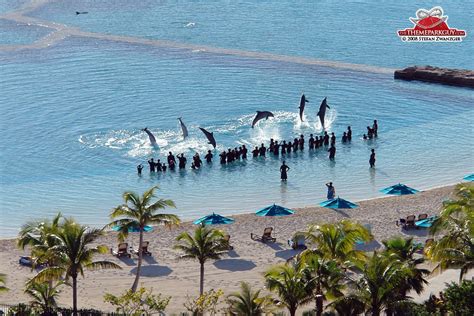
x: 151, y: 137
x: 77, y: 12
x: 210, y: 137
x: 183, y: 128
x: 261, y: 115
x: 302, y: 104
x: 322, y: 111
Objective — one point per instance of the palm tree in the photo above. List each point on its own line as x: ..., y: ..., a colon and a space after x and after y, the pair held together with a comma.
x: 290, y: 282
x: 248, y: 302
x: 326, y: 276
x: 404, y: 251
x: 138, y: 212
x: 43, y: 295
x: 381, y: 277
x: 206, y: 244
x: 455, y: 249
x: 37, y: 236
x: 73, y: 253
x: 3, y: 279
x: 337, y: 241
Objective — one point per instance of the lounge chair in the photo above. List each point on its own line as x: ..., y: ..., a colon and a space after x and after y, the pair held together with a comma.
x: 144, y: 249
x: 122, y: 251
x: 297, y: 242
x: 410, y: 222
x: 422, y: 216
x: 267, y: 235
x: 227, y: 241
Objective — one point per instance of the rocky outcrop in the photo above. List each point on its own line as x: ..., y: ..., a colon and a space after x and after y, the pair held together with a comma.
x: 453, y: 77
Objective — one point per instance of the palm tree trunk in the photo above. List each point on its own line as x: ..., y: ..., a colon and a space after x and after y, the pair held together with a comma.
x: 292, y: 310
x: 74, y: 295
x: 319, y: 301
x: 201, y: 280
x: 140, y: 258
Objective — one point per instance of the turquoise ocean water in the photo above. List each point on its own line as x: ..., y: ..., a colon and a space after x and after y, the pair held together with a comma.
x: 72, y: 112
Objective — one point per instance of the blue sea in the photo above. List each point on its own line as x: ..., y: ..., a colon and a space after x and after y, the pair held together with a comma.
x: 73, y: 109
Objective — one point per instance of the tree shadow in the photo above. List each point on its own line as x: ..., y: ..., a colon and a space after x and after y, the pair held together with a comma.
x: 153, y: 271
x: 341, y: 212
x: 369, y: 246
x: 422, y: 232
x: 234, y: 265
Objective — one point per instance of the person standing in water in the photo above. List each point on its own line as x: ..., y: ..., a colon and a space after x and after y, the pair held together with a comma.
x: 244, y: 152
x: 349, y: 133
x: 151, y: 162
x: 182, y: 161
x: 283, y: 171
x: 263, y: 150
x: 326, y: 139
x: 331, y: 191
x: 311, y: 142
x: 333, y: 139
x: 372, y: 159
x: 332, y: 152
x: 255, y: 152
x: 375, y: 128
x: 208, y: 156
x: 139, y: 169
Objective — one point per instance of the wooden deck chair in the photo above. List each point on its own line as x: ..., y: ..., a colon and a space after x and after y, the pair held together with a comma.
x: 122, y: 250
x: 422, y: 216
x: 410, y: 222
x: 144, y: 249
x: 266, y: 236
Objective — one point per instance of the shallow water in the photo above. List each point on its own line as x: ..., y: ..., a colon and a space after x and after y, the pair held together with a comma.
x: 72, y: 114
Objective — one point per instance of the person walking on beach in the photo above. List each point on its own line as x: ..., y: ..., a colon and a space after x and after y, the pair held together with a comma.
x: 283, y: 171
x: 372, y: 159
x: 331, y: 191
x: 139, y: 169
x: 332, y: 152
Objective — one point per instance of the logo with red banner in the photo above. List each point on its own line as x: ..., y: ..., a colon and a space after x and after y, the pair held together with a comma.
x: 431, y: 26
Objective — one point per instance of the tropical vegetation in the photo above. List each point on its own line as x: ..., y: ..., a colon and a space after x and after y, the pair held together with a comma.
x: 136, y: 213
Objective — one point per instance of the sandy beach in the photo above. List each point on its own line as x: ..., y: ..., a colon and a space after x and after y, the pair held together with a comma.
x: 166, y: 274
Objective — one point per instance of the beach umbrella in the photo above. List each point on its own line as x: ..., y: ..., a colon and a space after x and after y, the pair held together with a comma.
x: 399, y: 189
x: 469, y: 177
x: 426, y: 223
x: 134, y: 229
x: 338, y: 203
x: 275, y: 210
x: 213, y: 219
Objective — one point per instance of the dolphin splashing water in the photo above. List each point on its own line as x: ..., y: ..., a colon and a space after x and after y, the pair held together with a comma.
x: 151, y: 137
x: 210, y: 137
x: 303, y: 101
x: 183, y: 128
x: 260, y: 116
x: 322, y: 111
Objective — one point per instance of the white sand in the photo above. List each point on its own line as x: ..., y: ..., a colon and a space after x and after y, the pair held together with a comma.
x: 170, y: 276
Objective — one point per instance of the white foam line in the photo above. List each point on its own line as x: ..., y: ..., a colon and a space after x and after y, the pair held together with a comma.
x: 62, y: 31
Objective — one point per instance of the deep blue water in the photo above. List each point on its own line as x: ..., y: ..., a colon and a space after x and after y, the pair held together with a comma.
x: 72, y: 114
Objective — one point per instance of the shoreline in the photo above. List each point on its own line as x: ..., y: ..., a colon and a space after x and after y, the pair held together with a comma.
x: 245, y: 213
x: 247, y: 262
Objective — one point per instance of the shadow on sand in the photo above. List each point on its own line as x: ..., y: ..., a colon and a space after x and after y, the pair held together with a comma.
x: 234, y: 265
x: 287, y: 253
x: 128, y: 261
x: 153, y: 271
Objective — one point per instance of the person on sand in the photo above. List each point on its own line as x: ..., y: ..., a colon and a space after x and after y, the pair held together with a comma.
x: 139, y: 169
x: 283, y: 171
x: 208, y: 156
x: 331, y: 191
x: 372, y: 159
x: 332, y: 152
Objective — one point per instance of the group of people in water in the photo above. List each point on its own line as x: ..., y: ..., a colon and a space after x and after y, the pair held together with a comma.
x: 275, y: 148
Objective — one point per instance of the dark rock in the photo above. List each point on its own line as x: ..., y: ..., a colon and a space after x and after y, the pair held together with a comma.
x: 453, y: 77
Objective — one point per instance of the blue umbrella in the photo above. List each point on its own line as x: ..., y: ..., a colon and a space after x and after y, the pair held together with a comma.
x: 469, y: 177
x: 338, y: 203
x: 213, y: 219
x: 134, y: 229
x: 399, y: 189
x: 426, y: 223
x: 274, y: 210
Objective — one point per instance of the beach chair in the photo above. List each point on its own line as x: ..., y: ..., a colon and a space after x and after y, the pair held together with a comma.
x: 144, y: 249
x: 227, y: 241
x: 122, y: 251
x: 422, y: 216
x: 266, y: 236
x: 297, y: 242
x: 410, y: 222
